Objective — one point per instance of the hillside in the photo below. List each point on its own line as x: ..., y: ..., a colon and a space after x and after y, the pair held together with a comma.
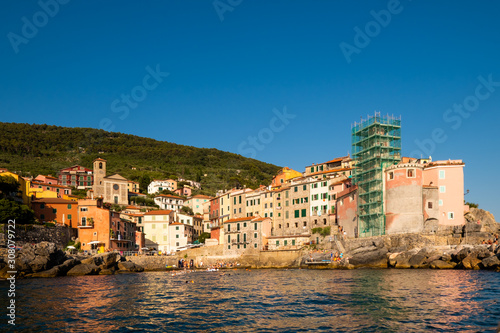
x: 44, y: 149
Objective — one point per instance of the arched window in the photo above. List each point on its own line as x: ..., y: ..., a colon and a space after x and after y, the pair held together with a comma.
x: 100, y: 165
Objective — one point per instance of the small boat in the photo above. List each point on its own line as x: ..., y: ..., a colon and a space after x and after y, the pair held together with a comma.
x: 212, y: 269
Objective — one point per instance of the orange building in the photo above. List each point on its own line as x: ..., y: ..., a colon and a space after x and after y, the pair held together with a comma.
x: 94, y: 224
x: 59, y: 211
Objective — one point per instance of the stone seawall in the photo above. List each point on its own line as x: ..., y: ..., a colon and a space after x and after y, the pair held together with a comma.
x: 34, y: 234
x: 212, y: 255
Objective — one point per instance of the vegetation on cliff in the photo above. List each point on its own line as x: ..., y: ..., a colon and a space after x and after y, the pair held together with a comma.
x: 44, y: 149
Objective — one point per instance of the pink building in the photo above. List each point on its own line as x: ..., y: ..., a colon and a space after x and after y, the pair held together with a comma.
x: 346, y: 208
x: 448, y: 176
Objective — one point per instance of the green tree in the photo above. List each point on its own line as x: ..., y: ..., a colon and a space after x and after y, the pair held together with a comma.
x: 187, y: 210
x: 203, y: 236
x: 12, y: 210
x: 8, y: 185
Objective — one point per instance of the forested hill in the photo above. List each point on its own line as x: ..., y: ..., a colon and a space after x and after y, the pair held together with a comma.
x: 44, y: 149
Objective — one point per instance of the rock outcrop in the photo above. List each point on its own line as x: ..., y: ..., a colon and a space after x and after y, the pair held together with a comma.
x: 46, y: 260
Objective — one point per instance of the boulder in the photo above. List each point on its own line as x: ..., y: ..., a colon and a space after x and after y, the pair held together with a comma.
x: 403, y: 260
x: 440, y: 264
x: 84, y: 269
x: 106, y: 271
x: 66, y: 266
x: 128, y: 266
x: 53, y: 272
x: 492, y: 262
x: 470, y: 262
x: 375, y: 259
x: 391, y: 259
x: 104, y: 260
x: 460, y: 255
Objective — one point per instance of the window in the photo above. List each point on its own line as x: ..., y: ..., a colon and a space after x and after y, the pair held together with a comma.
x: 42, y: 206
x: 277, y: 243
x: 82, y: 209
x: 244, y: 224
x: 255, y: 245
x: 229, y: 247
x: 286, y: 214
x: 442, y: 189
x: 176, y: 236
x: 295, y: 189
x: 229, y: 238
x: 238, y: 238
x: 153, y: 226
x: 293, y: 241
x: 69, y: 216
x: 391, y: 175
x: 297, y: 213
x: 54, y: 210
x: 255, y: 226
x: 286, y: 203
x: 279, y: 214
x: 286, y: 242
x: 296, y: 224
x: 177, y: 228
x: 265, y: 205
x: 244, y: 237
x: 228, y: 227
x: 240, y: 200
x: 237, y: 226
x: 304, y: 187
x: 411, y: 173
x: 254, y: 235
x: 279, y: 226
x: 429, y: 205
x: 164, y: 238
x: 304, y: 213
x: 305, y: 223
x: 451, y: 216
x: 42, y: 216
x: 441, y: 174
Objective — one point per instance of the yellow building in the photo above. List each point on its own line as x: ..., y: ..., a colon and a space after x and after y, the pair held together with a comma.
x: 283, y: 176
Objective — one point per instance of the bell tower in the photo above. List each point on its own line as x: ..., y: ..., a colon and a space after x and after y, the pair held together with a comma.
x: 99, y: 174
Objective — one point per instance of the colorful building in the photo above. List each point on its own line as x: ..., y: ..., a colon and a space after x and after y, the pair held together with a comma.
x: 246, y: 233
x: 156, y: 229
x: 56, y: 210
x: 159, y: 185
x: 76, y: 176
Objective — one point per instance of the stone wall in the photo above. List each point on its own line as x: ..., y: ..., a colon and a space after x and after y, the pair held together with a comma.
x: 210, y: 255
x: 32, y: 234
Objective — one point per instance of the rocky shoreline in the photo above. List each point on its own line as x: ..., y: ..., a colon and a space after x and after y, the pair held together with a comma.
x: 46, y: 260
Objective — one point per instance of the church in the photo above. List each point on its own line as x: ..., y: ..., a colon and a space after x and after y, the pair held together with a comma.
x: 113, y: 189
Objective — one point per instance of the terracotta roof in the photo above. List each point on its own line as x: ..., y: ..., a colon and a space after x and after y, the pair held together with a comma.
x: 49, y: 185
x: 177, y: 223
x: 202, y: 196
x: 248, y: 218
x: 338, y: 159
x: 159, y: 212
x: 54, y: 201
x: 100, y: 159
x: 169, y: 196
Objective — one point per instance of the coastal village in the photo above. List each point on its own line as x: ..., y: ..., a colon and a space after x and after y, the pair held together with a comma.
x: 371, y: 192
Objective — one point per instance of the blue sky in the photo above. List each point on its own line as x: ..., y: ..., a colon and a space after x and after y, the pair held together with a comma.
x: 230, y: 63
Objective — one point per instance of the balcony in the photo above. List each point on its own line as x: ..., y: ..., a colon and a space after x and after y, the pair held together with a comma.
x: 87, y: 224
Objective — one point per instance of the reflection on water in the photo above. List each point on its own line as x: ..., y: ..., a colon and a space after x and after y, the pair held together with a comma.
x: 261, y: 301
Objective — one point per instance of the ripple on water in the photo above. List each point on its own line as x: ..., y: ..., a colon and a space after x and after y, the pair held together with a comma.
x: 262, y: 301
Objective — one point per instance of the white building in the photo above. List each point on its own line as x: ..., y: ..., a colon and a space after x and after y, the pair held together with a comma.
x: 179, y: 235
x: 160, y: 185
x: 167, y: 201
x: 156, y: 229
x: 319, y: 198
x: 196, y: 203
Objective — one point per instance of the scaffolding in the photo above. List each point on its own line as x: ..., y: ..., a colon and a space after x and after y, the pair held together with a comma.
x: 376, y: 144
